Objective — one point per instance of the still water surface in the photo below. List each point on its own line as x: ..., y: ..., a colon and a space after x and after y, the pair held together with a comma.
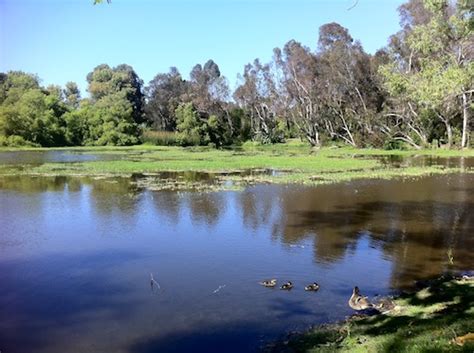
x: 76, y: 257
x: 54, y: 156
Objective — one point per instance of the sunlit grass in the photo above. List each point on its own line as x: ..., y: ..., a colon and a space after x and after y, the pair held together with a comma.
x: 425, y: 321
x: 295, y: 162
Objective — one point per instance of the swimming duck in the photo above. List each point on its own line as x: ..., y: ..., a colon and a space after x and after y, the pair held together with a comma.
x: 312, y: 287
x: 358, y: 302
x: 287, y: 286
x: 269, y: 283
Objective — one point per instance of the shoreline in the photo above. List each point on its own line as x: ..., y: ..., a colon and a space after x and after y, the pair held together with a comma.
x: 436, y: 317
x: 205, y: 169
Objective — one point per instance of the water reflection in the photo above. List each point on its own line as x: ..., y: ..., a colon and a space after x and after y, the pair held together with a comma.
x: 416, y: 222
x: 77, y: 254
x: 55, y: 156
x: 463, y: 163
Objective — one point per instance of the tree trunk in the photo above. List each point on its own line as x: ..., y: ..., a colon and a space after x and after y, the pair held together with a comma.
x: 313, y: 138
x: 465, y: 121
x: 312, y: 135
x: 449, y: 132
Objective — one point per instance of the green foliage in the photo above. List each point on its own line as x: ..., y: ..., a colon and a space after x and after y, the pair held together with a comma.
x: 425, y: 86
x: 109, y: 122
x: 104, y: 81
x: 33, y: 114
x: 54, y: 117
x: 72, y: 95
x: 390, y: 145
x: 15, y: 141
x: 241, y: 124
x: 75, y: 127
x: 417, y: 90
x: 192, y: 130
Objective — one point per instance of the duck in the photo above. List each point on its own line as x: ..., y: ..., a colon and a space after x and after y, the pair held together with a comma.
x: 359, y: 302
x: 270, y: 283
x: 287, y: 286
x: 385, y: 305
x: 312, y: 287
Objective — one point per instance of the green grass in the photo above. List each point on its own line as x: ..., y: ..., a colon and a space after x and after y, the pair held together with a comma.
x: 425, y: 321
x: 296, y: 161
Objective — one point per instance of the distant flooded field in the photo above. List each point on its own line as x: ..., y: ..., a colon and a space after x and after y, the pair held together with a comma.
x: 77, y: 254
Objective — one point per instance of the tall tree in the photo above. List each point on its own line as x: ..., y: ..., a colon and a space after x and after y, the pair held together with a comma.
x: 117, y: 106
x: 299, y: 89
x: 439, y: 87
x: 72, y: 95
x: 31, y: 112
x: 351, y: 96
x: 164, y: 94
x: 257, y: 94
x: 104, y: 80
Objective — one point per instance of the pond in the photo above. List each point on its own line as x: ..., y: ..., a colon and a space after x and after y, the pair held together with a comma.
x: 77, y: 254
x: 54, y: 156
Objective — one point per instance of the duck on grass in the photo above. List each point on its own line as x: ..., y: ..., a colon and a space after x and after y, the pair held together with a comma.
x: 439, y: 317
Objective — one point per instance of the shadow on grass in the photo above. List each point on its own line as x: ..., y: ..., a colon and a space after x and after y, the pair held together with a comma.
x: 426, y: 322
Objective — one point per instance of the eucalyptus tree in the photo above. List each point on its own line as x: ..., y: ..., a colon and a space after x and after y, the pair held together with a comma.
x: 164, y: 94
x: 438, y: 87
x: 349, y: 90
x: 209, y: 92
x: 72, y: 94
x: 300, y: 89
x: 257, y: 94
x: 333, y: 91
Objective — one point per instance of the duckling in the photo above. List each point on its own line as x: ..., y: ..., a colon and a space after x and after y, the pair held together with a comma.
x: 358, y: 302
x: 385, y: 305
x: 270, y: 283
x: 312, y: 287
x: 287, y: 286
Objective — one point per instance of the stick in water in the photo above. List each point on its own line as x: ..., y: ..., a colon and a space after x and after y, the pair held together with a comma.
x: 152, y: 280
x: 219, y: 288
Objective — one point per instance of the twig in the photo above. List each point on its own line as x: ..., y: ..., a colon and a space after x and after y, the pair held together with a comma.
x: 354, y: 5
x: 152, y: 280
x: 219, y: 288
x: 297, y: 246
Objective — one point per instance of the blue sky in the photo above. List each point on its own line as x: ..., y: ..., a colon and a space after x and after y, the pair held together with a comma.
x: 63, y: 40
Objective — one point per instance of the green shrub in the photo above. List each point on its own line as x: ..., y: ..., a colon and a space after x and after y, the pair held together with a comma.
x: 15, y: 141
x: 393, y: 144
x: 192, y: 130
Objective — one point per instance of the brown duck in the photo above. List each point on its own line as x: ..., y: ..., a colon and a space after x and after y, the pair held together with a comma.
x: 287, y: 286
x: 359, y: 302
x: 312, y: 287
x: 270, y: 283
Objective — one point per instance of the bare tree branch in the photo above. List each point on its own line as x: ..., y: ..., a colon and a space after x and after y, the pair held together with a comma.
x: 354, y: 5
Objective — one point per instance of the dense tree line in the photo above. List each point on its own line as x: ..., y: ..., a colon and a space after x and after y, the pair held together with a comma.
x: 52, y: 116
x: 416, y: 91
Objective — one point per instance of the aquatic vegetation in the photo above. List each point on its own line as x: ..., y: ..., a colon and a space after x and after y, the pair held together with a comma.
x: 235, y: 168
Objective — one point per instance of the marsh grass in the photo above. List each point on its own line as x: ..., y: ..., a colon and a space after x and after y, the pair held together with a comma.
x: 293, y: 162
x: 159, y: 138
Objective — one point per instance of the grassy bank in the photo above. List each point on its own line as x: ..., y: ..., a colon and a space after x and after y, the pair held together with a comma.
x: 294, y: 162
x: 433, y: 319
